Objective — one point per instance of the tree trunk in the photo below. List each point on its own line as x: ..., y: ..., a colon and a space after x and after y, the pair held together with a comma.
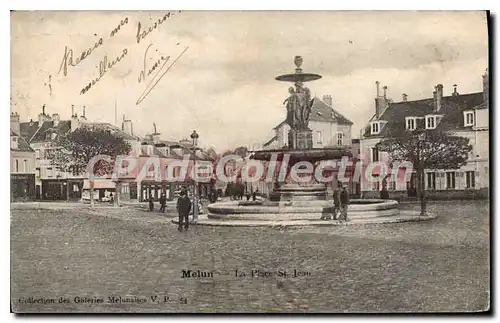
x: 421, y: 195
x: 422, y: 192
x: 118, y: 192
x: 91, y: 194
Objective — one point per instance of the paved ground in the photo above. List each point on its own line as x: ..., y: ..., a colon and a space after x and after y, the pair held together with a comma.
x: 438, y: 265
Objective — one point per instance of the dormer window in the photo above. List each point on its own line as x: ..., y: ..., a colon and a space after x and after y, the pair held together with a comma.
x: 411, y: 123
x: 375, y: 128
x: 468, y: 118
x: 430, y: 122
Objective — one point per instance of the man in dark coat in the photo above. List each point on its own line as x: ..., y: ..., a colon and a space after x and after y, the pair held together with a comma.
x: 336, y: 203
x: 183, y: 208
x: 344, y: 202
x: 163, y: 203
x: 151, y: 203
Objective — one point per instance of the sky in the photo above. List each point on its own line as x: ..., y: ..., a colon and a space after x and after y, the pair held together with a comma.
x: 222, y: 80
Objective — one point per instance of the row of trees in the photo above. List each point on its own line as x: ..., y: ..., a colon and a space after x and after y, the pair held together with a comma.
x: 426, y: 149
x: 76, y: 149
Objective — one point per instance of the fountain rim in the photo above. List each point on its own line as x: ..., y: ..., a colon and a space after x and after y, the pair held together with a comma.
x: 298, y: 77
x: 303, y: 154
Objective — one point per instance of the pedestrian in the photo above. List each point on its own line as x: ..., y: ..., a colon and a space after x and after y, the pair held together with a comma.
x: 336, y: 203
x: 254, y: 196
x: 151, y: 204
x: 384, y: 193
x: 248, y: 196
x: 111, y: 199
x: 344, y: 202
x: 163, y: 203
x: 183, y: 208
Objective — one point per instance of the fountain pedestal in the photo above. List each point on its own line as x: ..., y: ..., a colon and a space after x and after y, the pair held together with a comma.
x: 300, y: 139
x: 295, y: 192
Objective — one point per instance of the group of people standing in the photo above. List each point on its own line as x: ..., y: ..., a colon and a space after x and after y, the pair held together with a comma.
x: 162, y: 200
x: 340, y: 205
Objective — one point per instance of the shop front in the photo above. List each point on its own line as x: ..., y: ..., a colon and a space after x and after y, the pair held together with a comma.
x: 22, y: 187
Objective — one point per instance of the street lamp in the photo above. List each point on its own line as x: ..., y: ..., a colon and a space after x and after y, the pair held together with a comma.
x: 194, y: 136
x: 420, y: 169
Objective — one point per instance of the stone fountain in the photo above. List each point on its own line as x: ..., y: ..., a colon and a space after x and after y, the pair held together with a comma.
x: 298, y: 202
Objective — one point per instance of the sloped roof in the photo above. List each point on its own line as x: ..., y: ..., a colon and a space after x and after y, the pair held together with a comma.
x: 28, y: 129
x: 270, y: 141
x: 108, y: 126
x: 322, y: 112
x: 32, y: 132
x: 452, y: 108
x: 22, y: 144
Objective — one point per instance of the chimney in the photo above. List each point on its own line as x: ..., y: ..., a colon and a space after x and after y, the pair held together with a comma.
x: 455, y: 93
x: 405, y: 97
x: 15, y: 125
x: 74, y: 121
x: 378, y: 88
x: 42, y: 116
x: 486, y: 88
x: 156, y: 134
x: 327, y: 99
x: 56, y: 119
x: 127, y: 127
x: 83, y: 114
x: 439, y: 96
x: 385, y: 92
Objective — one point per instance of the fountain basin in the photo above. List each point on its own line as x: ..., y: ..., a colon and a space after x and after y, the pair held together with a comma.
x: 299, y: 210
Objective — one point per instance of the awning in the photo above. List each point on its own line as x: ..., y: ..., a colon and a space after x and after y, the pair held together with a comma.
x: 99, y: 184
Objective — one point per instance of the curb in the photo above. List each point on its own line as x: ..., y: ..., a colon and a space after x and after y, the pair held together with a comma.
x: 415, y: 217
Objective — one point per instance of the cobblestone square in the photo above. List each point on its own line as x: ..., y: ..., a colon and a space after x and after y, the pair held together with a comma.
x: 128, y: 254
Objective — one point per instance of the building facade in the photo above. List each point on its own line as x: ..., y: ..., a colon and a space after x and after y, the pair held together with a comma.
x: 465, y: 115
x: 329, y: 127
x: 52, y: 183
x: 22, y: 165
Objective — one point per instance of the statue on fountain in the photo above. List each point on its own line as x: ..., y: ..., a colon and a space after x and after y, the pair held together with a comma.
x: 298, y: 106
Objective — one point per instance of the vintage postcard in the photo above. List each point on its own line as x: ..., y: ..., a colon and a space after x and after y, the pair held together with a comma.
x: 249, y: 162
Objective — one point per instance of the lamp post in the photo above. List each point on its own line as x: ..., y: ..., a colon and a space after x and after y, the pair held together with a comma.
x: 194, y: 137
x: 421, y: 175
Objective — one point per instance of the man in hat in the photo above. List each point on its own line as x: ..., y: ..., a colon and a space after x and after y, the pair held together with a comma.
x: 183, y: 208
x: 344, y: 202
x: 163, y: 202
x: 336, y: 203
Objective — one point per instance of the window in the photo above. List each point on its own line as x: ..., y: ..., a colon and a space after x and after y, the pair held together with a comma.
x: 37, y: 153
x: 38, y: 172
x: 17, y: 166
x: 391, y: 185
x: 49, y: 172
x: 375, y: 154
x: 340, y: 137
x: 450, y: 180
x: 410, y: 123
x: 376, y: 186
x: 430, y: 122
x: 468, y: 118
x: 319, y: 137
x: 375, y: 128
x: 431, y: 181
x: 25, y: 166
x: 470, y: 179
